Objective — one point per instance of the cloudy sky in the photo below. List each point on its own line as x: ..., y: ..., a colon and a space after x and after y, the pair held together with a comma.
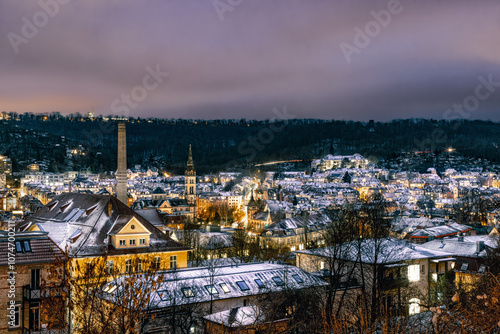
x: 242, y: 58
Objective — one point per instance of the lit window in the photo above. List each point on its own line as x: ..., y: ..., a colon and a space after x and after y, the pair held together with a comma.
x: 142, y: 241
x: 259, y: 283
x: 322, y: 265
x: 224, y: 287
x: 243, y: 286
x: 211, y: 289
x: 297, y: 278
x: 278, y: 281
x: 132, y: 242
x: 15, y: 322
x: 110, y: 288
x: 122, y: 242
x: 414, y: 306
x: 188, y: 293
x: 414, y: 273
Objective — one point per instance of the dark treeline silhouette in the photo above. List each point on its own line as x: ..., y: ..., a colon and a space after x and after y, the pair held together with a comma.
x: 221, y: 144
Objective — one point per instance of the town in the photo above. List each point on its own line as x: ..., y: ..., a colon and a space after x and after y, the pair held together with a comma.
x: 337, y: 244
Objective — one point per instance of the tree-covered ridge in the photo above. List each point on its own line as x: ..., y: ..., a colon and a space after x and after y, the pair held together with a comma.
x: 219, y: 144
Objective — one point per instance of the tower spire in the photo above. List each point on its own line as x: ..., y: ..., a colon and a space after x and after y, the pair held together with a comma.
x: 190, y: 165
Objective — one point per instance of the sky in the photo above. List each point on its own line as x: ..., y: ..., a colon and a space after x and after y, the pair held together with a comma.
x: 254, y: 59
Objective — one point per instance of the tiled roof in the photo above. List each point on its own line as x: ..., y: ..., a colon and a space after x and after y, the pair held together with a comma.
x: 42, y: 248
x: 70, y: 212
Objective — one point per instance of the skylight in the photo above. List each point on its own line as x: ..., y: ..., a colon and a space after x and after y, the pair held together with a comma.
x: 211, y: 289
x: 278, y: 281
x: 297, y: 278
x: 23, y: 246
x: 110, y: 288
x: 27, y: 246
x: 188, y: 292
x: 243, y: 286
x: 259, y: 283
x: 224, y: 287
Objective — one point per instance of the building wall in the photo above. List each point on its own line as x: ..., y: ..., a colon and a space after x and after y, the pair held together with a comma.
x: 119, y: 261
x: 22, y: 278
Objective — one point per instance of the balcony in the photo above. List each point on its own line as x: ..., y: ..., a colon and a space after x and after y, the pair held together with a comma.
x: 31, y: 294
x: 390, y: 283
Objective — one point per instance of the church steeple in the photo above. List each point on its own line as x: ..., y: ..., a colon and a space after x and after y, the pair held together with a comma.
x: 190, y: 180
x: 190, y: 164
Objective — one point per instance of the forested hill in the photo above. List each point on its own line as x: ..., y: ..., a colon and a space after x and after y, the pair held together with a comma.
x: 220, y: 144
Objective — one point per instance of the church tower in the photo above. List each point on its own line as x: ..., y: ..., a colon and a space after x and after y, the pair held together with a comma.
x: 190, y: 181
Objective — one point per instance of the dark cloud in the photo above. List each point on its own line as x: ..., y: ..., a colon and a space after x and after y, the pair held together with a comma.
x: 262, y: 55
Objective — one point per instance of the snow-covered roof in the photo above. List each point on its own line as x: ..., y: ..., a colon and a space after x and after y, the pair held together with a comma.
x: 381, y: 251
x: 193, y: 285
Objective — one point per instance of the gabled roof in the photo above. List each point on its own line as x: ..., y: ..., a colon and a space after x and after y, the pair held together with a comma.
x: 120, y: 222
x: 70, y: 212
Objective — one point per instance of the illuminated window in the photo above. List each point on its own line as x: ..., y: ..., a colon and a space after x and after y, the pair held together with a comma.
x: 224, y: 287
x: 414, y: 273
x: 211, y: 289
x: 414, y: 306
x: 110, y: 288
x: 188, y: 293
x: 322, y: 265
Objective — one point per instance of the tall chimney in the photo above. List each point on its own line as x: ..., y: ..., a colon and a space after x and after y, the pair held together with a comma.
x: 121, y: 173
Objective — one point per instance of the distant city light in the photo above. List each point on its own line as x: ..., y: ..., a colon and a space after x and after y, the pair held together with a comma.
x: 451, y: 149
